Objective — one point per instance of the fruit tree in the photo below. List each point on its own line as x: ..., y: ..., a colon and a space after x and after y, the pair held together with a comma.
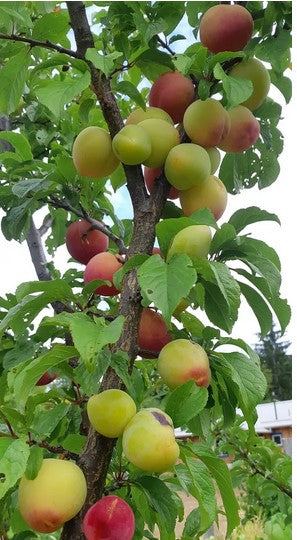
x: 172, y: 104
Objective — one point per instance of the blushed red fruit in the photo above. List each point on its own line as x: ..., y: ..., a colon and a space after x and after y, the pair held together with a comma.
x: 243, y: 133
x: 173, y: 93
x: 226, y: 28
x: 103, y: 266
x: 181, y: 361
x: 84, y: 244
x: 152, y: 332
x: 46, y: 378
x: 150, y: 176
x: 111, y: 518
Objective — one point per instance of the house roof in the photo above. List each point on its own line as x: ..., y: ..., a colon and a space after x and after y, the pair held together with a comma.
x: 277, y: 414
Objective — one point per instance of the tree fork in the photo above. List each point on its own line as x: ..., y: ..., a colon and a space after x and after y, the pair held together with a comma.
x: 97, y: 453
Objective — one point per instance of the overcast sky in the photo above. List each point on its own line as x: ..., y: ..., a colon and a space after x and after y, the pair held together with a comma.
x: 16, y: 266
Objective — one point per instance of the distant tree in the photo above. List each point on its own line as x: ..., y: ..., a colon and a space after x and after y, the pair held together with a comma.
x: 276, y: 363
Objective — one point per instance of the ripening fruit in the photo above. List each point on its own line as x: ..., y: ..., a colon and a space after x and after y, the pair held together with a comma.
x: 138, y: 115
x: 163, y: 137
x: 181, y: 361
x: 256, y: 72
x: 215, y: 158
x: 173, y: 93
x: 46, y: 378
x: 226, y: 28
x: 110, y: 411
x: 193, y: 240
x: 187, y: 165
x: 149, y: 441
x: 132, y: 145
x: 150, y: 176
x: 211, y: 194
x: 206, y: 122
x: 111, y: 518
x: 152, y: 332
x: 244, y: 130
x: 103, y: 266
x: 56, y: 495
x: 92, y: 153
x: 82, y: 243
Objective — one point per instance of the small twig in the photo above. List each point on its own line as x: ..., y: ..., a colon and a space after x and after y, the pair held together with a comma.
x: 151, y: 354
x: 36, y: 43
x: 9, y: 426
x: 122, y: 68
x: 101, y: 314
x: 58, y: 203
x: 53, y: 449
x: 165, y: 46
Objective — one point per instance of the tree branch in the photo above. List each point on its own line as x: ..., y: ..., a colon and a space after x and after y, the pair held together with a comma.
x: 58, y: 203
x: 36, y: 43
x: 97, y: 453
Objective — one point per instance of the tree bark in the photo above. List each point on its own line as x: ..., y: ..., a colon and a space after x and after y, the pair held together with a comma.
x: 97, y: 453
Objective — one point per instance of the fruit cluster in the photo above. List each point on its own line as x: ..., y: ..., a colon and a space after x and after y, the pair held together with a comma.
x: 151, y: 137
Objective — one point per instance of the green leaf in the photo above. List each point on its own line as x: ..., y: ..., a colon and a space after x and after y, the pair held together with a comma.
x: 16, y: 223
x: 221, y: 57
x: 183, y: 63
x: 53, y: 27
x: 279, y: 305
x: 89, y: 337
x: 221, y: 474
x: 222, y: 236
x: 13, y: 462
x: 192, y: 324
x: 55, y: 94
x: 276, y: 50
x: 12, y: 80
x: 203, y: 490
x: 153, y: 63
x: 74, y: 442
x: 237, y: 89
x: 57, y: 288
x: 245, y: 216
x: 160, y: 499
x: 284, y: 84
x: 46, y: 421
x: 166, y: 284
x: 104, y: 62
x: 34, y: 462
x: 222, y: 293
x: 28, y: 377
x: 259, y: 307
x: 246, y: 377
x: 185, y: 402
x: 20, y: 144
x: 129, y: 89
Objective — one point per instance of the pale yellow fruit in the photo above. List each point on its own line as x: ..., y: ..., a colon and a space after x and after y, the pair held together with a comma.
x: 149, y: 441
x: 138, y: 115
x: 163, y: 137
x: 56, y: 495
x: 193, y: 240
x: 110, y: 412
x: 92, y: 153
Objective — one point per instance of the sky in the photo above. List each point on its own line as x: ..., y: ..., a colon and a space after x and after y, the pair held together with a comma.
x: 16, y: 266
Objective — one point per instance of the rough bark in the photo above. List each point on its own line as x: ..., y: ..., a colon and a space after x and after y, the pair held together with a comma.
x: 97, y: 453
